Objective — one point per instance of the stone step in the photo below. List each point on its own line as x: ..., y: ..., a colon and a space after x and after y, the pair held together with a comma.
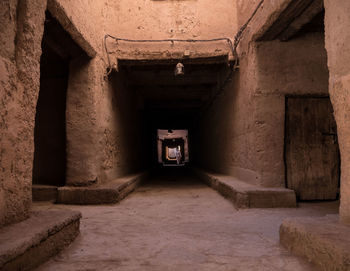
x: 26, y: 245
x: 44, y: 192
x: 324, y: 241
x: 108, y: 193
x: 244, y: 195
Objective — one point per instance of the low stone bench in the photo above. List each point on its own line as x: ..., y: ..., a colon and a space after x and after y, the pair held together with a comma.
x: 244, y: 195
x: 108, y: 193
x: 322, y: 240
x: 25, y: 245
x: 44, y: 192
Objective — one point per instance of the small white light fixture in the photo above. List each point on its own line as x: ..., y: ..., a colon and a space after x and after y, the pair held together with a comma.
x: 179, y: 69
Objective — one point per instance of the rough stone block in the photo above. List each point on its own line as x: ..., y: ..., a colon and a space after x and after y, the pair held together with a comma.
x: 322, y: 240
x: 111, y: 192
x: 44, y: 193
x: 25, y: 245
x: 244, y: 195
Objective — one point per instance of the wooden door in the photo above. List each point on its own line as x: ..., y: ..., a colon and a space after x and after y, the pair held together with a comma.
x: 311, y: 148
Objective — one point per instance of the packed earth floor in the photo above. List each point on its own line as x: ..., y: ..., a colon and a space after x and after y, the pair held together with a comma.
x: 175, y: 222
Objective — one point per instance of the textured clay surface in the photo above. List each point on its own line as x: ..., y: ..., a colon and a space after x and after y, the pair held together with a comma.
x: 29, y: 243
x: 178, y: 223
x: 338, y: 50
x: 314, y: 239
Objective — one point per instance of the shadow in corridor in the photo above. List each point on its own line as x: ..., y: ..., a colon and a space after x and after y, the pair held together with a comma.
x: 172, y: 177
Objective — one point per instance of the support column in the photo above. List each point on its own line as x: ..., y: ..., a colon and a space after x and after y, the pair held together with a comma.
x: 22, y: 27
x: 337, y: 25
x: 81, y: 121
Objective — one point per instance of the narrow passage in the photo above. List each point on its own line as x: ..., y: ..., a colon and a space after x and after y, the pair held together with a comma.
x: 174, y: 222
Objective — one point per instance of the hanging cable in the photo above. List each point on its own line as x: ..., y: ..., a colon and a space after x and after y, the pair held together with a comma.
x: 233, y: 48
x: 237, y: 40
x: 240, y: 32
x: 228, y: 40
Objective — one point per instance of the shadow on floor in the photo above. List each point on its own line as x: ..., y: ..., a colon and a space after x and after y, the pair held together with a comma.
x: 172, y: 177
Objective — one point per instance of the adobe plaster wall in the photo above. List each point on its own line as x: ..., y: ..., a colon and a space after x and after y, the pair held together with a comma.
x: 227, y: 130
x: 83, y: 20
x: 337, y: 23
x: 245, y: 9
x: 7, y: 85
x: 91, y: 135
x: 168, y: 19
x: 121, y: 124
x: 224, y: 139
x: 19, y: 79
x: 158, y: 19
x: 243, y: 132
x: 96, y: 134
x: 264, y: 18
x: 297, y: 67
x: 82, y: 121
x: 246, y: 139
x: 99, y: 126
x: 100, y: 144
x: 20, y: 51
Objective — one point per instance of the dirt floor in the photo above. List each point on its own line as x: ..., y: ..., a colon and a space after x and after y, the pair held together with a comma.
x: 175, y: 222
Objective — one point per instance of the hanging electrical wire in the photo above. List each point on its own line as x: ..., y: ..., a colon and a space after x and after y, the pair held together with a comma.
x: 240, y: 32
x: 233, y: 48
x: 228, y: 40
x: 237, y: 40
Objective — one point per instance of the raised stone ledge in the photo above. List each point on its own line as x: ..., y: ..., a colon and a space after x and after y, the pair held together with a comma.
x: 108, y: 193
x: 44, y: 192
x: 25, y: 245
x: 244, y: 195
x: 324, y: 241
